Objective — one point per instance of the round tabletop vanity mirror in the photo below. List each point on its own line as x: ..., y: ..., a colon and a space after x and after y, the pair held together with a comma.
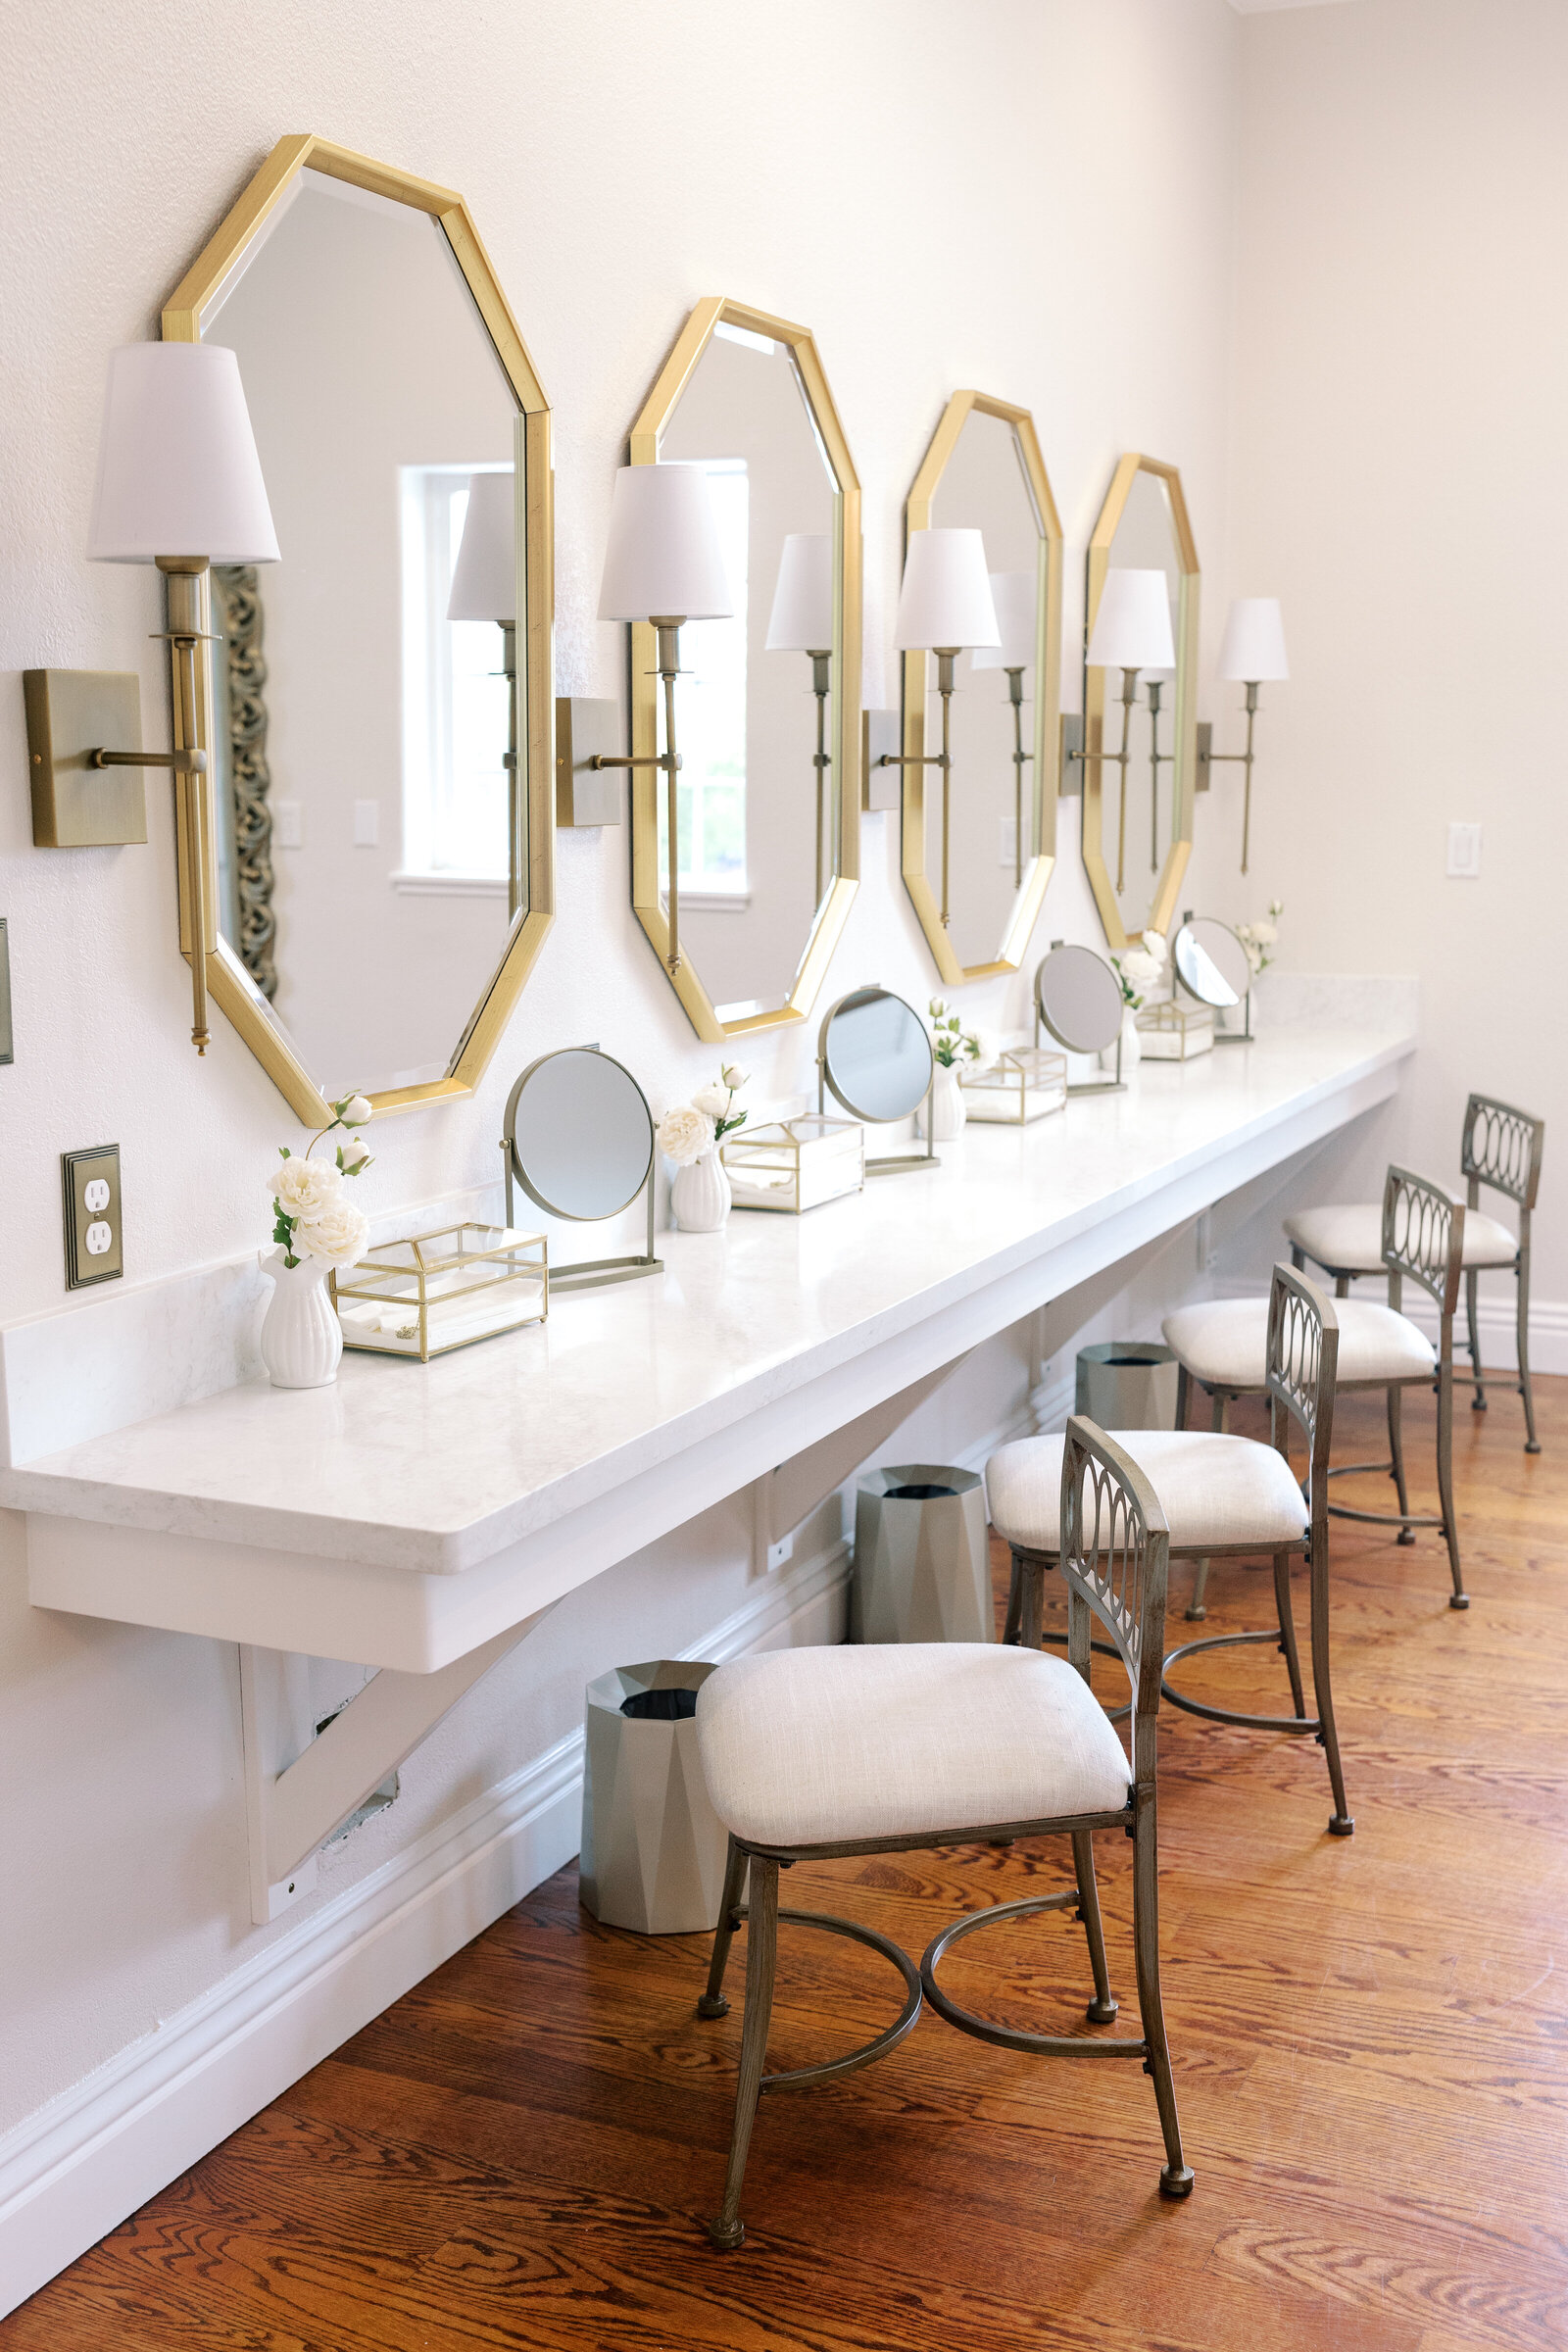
x: 1212, y: 962
x: 1079, y: 998
x: 876, y: 1056
x: 579, y: 1134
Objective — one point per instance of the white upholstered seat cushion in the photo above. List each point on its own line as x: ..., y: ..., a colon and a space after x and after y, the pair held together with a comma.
x: 1226, y: 1343
x: 819, y: 1746
x: 1350, y: 1238
x: 1213, y: 1488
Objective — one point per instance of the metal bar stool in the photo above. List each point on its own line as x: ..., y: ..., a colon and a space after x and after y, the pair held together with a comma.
x: 1222, y: 1347
x: 812, y: 1755
x: 1224, y: 1497
x: 1500, y: 1148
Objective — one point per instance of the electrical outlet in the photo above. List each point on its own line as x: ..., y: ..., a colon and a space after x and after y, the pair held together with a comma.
x: 1465, y: 853
x: 93, y: 1234
x: 288, y: 826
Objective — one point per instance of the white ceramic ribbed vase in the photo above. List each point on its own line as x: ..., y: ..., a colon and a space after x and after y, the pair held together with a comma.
x: 1132, y: 1046
x: 949, y: 1110
x: 301, y: 1339
x: 700, y: 1193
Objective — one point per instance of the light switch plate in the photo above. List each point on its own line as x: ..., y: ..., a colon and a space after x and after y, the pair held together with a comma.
x: 94, y: 1249
x: 69, y: 713
x: 1465, y: 853
x: 288, y: 824
x: 366, y: 824
x: 586, y: 727
x: 7, y: 1046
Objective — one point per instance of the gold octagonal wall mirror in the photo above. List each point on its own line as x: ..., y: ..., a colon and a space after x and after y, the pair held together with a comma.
x: 768, y: 702
x: 1141, y: 704
x: 980, y: 836
x: 379, y: 876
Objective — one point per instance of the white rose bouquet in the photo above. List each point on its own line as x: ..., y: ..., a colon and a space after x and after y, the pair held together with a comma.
x: 693, y: 1128
x: 1142, y: 970
x: 1259, y: 938
x: 951, y: 1042
x: 312, y: 1216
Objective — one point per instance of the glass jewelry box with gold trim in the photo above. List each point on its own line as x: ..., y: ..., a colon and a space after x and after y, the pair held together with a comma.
x: 1023, y: 1083
x: 1172, y: 1032
x: 442, y: 1290
x: 795, y: 1164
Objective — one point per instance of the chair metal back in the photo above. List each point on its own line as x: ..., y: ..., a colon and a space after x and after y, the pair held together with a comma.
x: 1115, y: 1560
x: 1423, y: 1237
x: 1502, y: 1146
x: 1303, y: 1368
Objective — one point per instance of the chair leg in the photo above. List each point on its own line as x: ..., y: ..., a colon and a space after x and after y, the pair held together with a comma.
x: 1196, y: 1611
x: 1522, y: 1327
x: 1009, y: 1632
x: 1395, y: 1398
x: 1341, y: 1821
x: 1298, y: 1258
x: 1102, y: 2008
x: 1032, y: 1618
x: 1282, y: 1598
x: 712, y: 2004
x: 1183, y: 1392
x: 1176, y: 2176
x: 1217, y: 1409
x: 1472, y: 1284
x: 1458, y: 1598
x: 762, y: 1949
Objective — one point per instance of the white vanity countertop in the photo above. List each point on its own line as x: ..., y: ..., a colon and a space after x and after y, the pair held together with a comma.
x: 437, y: 1468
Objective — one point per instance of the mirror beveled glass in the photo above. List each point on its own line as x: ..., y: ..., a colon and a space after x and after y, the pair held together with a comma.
x: 378, y: 937
x: 580, y: 1135
x: 977, y: 870
x: 769, y: 840
x: 1138, y: 823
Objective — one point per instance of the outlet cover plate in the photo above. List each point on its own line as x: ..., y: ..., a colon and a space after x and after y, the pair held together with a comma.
x: 94, y: 1239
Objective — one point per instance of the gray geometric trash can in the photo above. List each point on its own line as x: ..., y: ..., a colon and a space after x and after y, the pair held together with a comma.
x: 922, y: 1566
x: 1128, y: 1384
x: 652, y: 1847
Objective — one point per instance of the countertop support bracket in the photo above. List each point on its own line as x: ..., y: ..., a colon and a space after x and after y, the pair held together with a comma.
x: 299, y: 1785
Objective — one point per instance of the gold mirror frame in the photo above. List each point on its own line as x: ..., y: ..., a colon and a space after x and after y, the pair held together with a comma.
x: 647, y: 781
x: 228, y: 981
x: 915, y: 682
x: 1185, y: 733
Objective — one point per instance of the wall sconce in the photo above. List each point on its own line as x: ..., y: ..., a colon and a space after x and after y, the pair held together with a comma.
x: 1251, y: 651
x: 178, y: 470
x: 664, y: 564
x: 1132, y: 632
x: 801, y: 622
x: 1014, y: 594
x: 945, y: 604
x: 484, y: 587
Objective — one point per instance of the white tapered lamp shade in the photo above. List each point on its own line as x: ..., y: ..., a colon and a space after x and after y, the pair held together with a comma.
x: 484, y: 577
x: 1132, y: 626
x: 1252, y: 648
x: 177, y: 469
x: 664, y: 559
x: 946, y: 600
x: 1014, y: 595
x: 801, y: 618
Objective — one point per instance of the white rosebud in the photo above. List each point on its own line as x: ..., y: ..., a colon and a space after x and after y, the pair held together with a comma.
x: 735, y: 1077
x: 337, y: 1235
x: 685, y: 1134
x: 712, y: 1101
x: 355, y: 1111
x: 353, y: 1153
x: 303, y: 1188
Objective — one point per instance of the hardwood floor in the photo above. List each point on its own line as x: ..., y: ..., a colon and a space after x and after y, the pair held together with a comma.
x: 1369, y: 2038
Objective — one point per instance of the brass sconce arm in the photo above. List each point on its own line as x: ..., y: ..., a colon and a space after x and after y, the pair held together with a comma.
x: 669, y: 759
x: 1208, y: 757
x: 184, y: 763
x: 947, y: 656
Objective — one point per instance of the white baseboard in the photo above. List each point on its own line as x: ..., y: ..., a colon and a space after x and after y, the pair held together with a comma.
x: 75, y: 2170
x: 1495, y: 1319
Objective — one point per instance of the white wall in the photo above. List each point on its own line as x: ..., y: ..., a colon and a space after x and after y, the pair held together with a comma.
x: 1402, y: 375
x: 1038, y: 199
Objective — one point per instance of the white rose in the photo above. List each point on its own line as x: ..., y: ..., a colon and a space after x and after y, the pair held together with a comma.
x: 353, y: 1152
x: 1155, y: 944
x: 303, y: 1188
x: 355, y: 1111
x: 1264, y: 933
x: 714, y: 1100
x: 735, y: 1077
x: 336, y: 1235
x: 1142, y: 972
x: 990, y: 1047
x: 684, y: 1134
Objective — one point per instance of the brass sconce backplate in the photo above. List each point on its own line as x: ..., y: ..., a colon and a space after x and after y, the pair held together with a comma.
x: 71, y: 713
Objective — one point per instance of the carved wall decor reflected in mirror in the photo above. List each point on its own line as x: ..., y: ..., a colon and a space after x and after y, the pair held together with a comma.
x: 379, y: 708
x: 980, y: 836
x: 1140, y: 699
x: 767, y: 703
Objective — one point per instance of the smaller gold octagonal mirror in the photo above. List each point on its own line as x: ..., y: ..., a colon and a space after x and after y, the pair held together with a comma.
x: 980, y: 830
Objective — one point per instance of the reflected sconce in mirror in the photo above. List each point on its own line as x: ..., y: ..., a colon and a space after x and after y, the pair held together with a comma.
x: 484, y: 587
x: 664, y: 564
x: 945, y: 604
x: 1132, y: 632
x: 179, y: 485
x: 1015, y: 595
x: 1252, y: 653
x: 801, y: 622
